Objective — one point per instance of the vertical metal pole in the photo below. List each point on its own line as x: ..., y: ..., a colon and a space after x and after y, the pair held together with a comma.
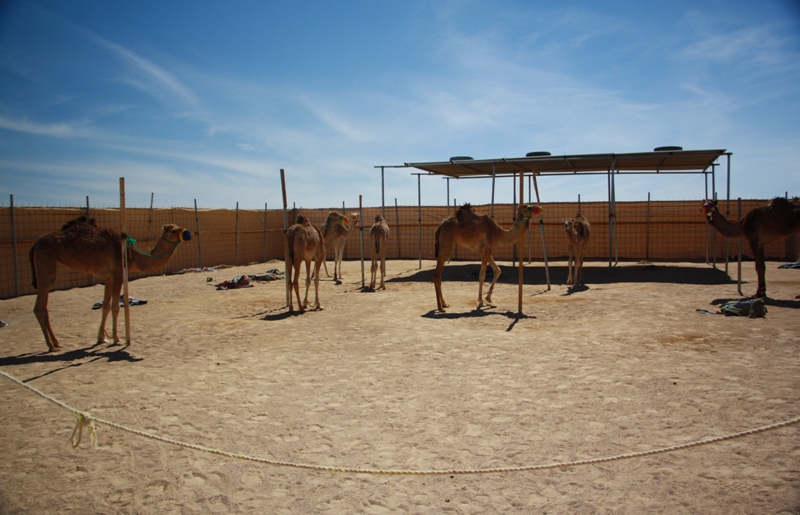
x: 15, y: 250
x: 455, y: 245
x: 541, y: 233
x: 236, y: 238
x: 397, y: 218
x: 705, y: 198
x: 514, y: 249
x: 494, y: 166
x: 448, y: 196
x: 714, y: 240
x: 383, y: 196
x: 150, y: 220
x: 124, y: 262
x: 87, y: 206
x: 361, y: 238
x: 614, y: 203
x: 647, y: 238
x: 610, y: 224
x: 265, y: 232
x: 520, y: 245
x: 739, y: 245
x: 197, y: 233
x: 419, y: 219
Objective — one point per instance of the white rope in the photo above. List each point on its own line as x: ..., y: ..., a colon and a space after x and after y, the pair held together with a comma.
x: 85, y: 419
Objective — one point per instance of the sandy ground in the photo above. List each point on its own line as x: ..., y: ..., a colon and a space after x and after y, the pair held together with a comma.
x: 378, y: 380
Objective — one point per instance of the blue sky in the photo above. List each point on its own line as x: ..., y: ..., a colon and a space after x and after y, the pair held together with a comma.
x: 208, y: 100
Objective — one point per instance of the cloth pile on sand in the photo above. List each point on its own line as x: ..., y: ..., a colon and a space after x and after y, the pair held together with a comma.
x: 131, y: 302
x: 245, y: 281
x: 796, y: 264
x: 751, y: 308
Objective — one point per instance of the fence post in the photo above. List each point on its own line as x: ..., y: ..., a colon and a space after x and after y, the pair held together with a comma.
x: 14, y: 247
x: 419, y: 220
x: 265, y: 232
x: 197, y: 233
x: 397, y: 217
x: 236, y: 238
x: 647, y: 237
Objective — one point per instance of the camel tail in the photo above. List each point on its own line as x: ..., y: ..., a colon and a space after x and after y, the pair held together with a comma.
x: 33, y: 266
x: 436, y: 247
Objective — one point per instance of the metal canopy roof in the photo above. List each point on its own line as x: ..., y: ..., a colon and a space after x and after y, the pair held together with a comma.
x: 674, y: 161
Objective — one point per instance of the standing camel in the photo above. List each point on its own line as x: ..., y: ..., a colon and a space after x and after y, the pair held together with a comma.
x: 761, y: 226
x: 578, y: 231
x: 379, y: 236
x: 304, y: 242
x: 481, y: 234
x: 336, y: 235
x: 85, y: 247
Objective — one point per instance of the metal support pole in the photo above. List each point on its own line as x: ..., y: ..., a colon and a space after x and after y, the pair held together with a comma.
x: 150, y: 218
x: 494, y: 166
x: 236, y: 238
x: 519, y: 246
x: 361, y: 239
x: 383, y: 193
x: 541, y: 232
x: 739, y: 246
x: 419, y: 220
x: 265, y: 232
x: 285, y: 245
x: 15, y: 250
x: 647, y: 237
x: 397, y: 221
x: 197, y: 233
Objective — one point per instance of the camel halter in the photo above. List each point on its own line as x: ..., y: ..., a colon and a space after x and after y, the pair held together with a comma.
x: 184, y: 235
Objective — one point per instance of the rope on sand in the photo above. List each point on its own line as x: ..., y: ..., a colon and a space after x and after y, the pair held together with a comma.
x: 87, y: 420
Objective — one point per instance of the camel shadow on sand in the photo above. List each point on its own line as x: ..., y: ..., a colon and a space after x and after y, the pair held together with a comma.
x: 478, y: 313
x: 779, y: 303
x: 593, y: 274
x: 71, y: 358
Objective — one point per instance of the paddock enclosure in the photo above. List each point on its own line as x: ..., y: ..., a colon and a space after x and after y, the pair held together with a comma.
x: 645, y: 230
x: 451, y: 411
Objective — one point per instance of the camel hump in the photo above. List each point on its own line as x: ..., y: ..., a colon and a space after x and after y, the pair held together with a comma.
x: 302, y: 219
x: 379, y: 218
x: 781, y: 203
x: 81, y: 220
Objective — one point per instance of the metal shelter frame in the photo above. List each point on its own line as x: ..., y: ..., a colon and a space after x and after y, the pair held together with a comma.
x: 662, y: 160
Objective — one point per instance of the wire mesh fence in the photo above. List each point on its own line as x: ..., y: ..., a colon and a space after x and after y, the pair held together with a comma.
x: 642, y: 230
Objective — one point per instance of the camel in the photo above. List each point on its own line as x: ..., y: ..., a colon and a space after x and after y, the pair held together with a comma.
x: 379, y: 236
x: 304, y: 243
x: 335, y: 234
x: 778, y: 219
x: 83, y: 246
x: 481, y: 234
x: 578, y: 231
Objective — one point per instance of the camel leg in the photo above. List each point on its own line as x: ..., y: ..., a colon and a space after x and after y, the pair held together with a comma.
x: 337, y: 264
x: 40, y: 310
x: 101, y: 333
x: 294, y: 287
x: 115, y: 294
x: 570, y: 278
x: 761, y: 267
x: 579, y: 266
x: 316, y: 285
x: 308, y: 283
x: 45, y: 276
x: 383, y: 270
x: 373, y: 271
x: 496, y: 270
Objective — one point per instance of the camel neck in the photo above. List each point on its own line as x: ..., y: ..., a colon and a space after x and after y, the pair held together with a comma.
x: 725, y: 226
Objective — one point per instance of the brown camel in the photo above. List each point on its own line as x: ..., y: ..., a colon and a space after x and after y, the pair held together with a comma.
x: 481, y: 234
x: 304, y: 243
x: 335, y: 234
x: 85, y: 247
x: 379, y: 236
x: 578, y: 231
x: 761, y: 226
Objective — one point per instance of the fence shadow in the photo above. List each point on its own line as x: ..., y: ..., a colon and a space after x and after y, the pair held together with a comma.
x: 592, y: 274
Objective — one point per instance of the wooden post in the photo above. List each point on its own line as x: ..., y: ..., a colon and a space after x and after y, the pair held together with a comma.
x: 397, y: 221
x: 265, y: 232
x: 521, y: 243
x: 14, y: 245
x: 236, y: 237
x: 124, y: 262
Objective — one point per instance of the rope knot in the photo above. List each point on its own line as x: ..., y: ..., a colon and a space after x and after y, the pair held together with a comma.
x: 84, y: 420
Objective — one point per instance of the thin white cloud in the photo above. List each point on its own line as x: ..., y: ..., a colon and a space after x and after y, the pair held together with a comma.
x: 41, y: 129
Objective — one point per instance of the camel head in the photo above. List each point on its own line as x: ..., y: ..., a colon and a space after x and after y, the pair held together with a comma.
x: 568, y: 224
x: 175, y: 234
x: 528, y: 210
x: 379, y: 218
x: 355, y: 218
x: 708, y: 208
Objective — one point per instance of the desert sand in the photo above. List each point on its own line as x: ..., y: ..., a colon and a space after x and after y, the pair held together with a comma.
x: 379, y: 380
